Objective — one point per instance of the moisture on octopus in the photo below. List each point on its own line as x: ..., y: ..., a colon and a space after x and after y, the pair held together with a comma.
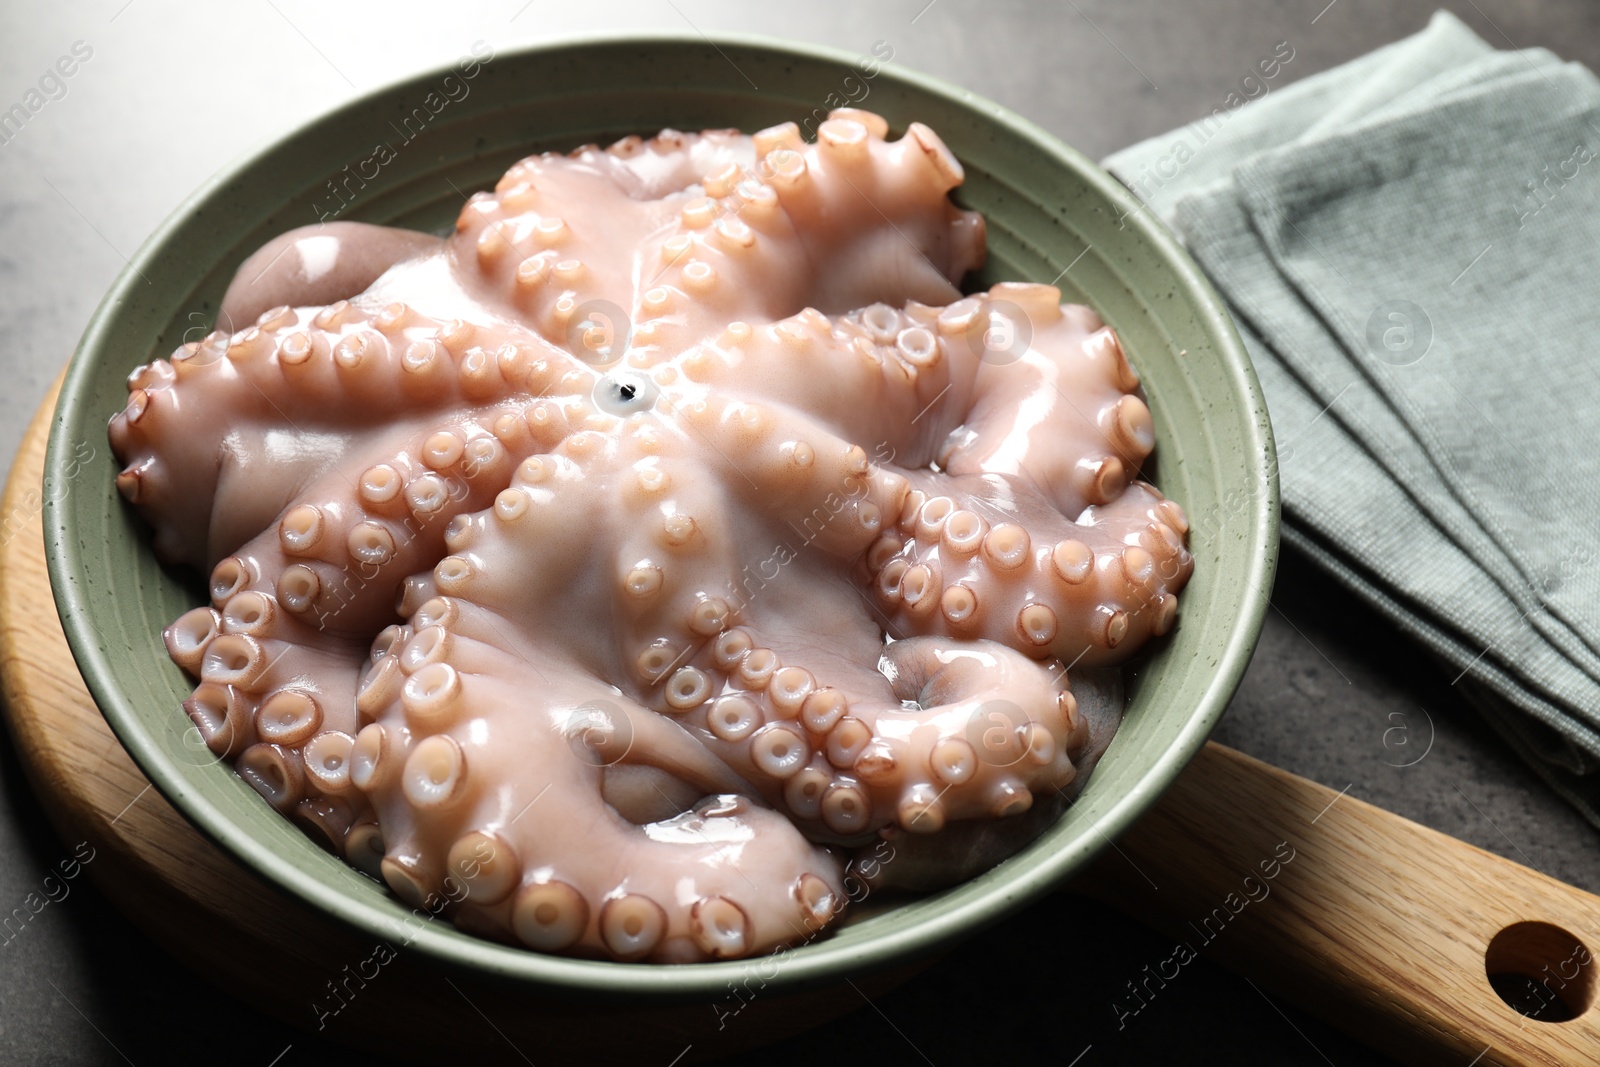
x: 621, y: 565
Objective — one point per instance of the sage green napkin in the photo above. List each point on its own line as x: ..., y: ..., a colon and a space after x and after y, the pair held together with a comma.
x: 1408, y: 245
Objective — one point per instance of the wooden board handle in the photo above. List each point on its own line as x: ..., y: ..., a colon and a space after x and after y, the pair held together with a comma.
x: 1386, y: 929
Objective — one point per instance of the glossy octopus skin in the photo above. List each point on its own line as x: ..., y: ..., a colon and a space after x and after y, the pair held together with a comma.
x: 551, y: 562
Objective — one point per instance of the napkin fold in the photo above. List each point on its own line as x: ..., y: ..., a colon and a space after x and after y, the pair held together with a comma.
x: 1408, y: 244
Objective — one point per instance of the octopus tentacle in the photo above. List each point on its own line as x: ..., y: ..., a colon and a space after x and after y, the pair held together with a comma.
x: 288, y: 671
x: 316, y: 266
x: 772, y: 208
x: 554, y: 241
x: 994, y: 728
x: 195, y: 430
x: 1055, y: 398
x: 723, y: 879
x: 891, y: 382
x: 814, y: 485
x: 747, y: 250
x: 670, y: 162
x: 990, y: 558
x: 957, y: 730
x: 778, y: 692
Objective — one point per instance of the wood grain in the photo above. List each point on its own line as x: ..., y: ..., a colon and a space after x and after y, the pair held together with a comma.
x: 1367, y: 920
x: 1372, y: 922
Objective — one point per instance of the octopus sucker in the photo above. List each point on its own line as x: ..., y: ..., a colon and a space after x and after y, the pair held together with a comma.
x: 363, y: 847
x: 803, y: 791
x: 276, y: 772
x: 327, y: 761
x: 699, y: 533
x: 221, y: 718
x: 550, y: 916
x: 188, y: 637
x: 409, y: 879
x: 846, y: 809
x: 288, y: 717
x: 326, y: 820
x: 486, y: 864
x: 847, y: 740
x: 632, y: 925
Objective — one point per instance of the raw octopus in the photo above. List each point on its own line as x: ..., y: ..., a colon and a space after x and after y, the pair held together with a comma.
x: 620, y: 563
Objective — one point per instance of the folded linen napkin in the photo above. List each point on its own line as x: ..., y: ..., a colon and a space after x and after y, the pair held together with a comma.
x: 1409, y: 245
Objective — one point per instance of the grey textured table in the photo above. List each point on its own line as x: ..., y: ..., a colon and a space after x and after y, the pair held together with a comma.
x: 173, y: 90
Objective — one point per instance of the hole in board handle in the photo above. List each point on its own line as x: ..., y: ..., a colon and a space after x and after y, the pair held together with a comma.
x: 1541, y: 971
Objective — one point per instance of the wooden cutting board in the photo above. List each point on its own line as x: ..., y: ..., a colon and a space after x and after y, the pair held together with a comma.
x: 1376, y: 924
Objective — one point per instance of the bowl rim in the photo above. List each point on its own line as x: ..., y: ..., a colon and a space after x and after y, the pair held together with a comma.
x: 820, y: 962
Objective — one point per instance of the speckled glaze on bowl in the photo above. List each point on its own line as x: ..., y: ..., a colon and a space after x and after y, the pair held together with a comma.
x: 1053, y: 217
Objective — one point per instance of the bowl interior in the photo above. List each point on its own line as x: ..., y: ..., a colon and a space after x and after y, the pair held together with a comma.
x: 1052, y: 217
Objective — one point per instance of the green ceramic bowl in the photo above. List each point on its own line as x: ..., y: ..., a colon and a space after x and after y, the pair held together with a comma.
x: 1053, y: 217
